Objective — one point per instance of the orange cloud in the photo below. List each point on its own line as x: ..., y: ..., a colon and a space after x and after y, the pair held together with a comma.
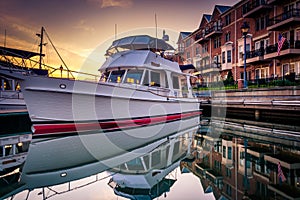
x: 116, y: 3
x: 82, y: 24
x: 113, y: 3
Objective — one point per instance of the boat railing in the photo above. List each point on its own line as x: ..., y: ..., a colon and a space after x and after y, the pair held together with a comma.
x: 11, y: 94
x: 159, y: 90
x: 18, y: 62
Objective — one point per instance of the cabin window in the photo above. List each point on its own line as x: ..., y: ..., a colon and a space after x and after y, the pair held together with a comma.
x: 175, y: 82
x: 156, y: 158
x: 133, y: 76
x: 116, y: 76
x: 1, y: 151
x: 166, y: 81
x: 155, y: 79
x: 146, y: 78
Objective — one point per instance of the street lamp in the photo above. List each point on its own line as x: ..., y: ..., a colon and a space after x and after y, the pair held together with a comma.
x: 245, y: 29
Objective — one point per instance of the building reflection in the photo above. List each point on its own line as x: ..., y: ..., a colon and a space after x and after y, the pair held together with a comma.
x: 220, y: 160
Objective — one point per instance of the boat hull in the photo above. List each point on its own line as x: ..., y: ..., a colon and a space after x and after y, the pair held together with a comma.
x: 54, y: 99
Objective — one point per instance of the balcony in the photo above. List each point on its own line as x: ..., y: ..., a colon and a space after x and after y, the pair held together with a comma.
x: 180, y: 50
x: 213, y: 31
x: 255, y: 7
x: 276, y: 2
x: 200, y: 38
x: 288, y: 49
x: 209, y: 69
x: 285, y: 190
x: 255, y: 56
x: 284, y: 21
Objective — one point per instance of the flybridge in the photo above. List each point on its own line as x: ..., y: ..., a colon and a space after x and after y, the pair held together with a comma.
x: 138, y: 42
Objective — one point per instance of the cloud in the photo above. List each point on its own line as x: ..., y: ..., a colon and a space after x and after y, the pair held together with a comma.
x: 116, y: 3
x: 82, y: 24
x: 112, y: 3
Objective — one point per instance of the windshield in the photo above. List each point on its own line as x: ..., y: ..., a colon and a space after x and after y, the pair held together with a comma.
x: 116, y: 76
x: 133, y: 76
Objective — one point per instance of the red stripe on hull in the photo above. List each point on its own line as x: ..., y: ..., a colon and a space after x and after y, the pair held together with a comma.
x: 73, y: 127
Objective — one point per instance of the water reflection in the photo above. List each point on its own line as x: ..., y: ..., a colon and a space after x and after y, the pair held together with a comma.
x: 146, y: 177
x: 240, y: 160
x: 229, y: 160
x: 151, y: 162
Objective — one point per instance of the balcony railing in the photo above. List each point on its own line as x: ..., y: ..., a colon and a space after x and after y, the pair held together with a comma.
x: 255, y: 53
x: 181, y: 50
x: 294, y: 45
x: 199, y: 36
x: 287, y: 45
x: 216, y: 29
x: 254, y: 6
x: 284, y: 19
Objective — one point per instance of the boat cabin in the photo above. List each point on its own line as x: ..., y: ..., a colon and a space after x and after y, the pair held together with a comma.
x: 135, y: 63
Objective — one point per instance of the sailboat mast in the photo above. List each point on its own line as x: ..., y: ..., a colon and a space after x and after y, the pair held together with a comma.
x: 41, y: 47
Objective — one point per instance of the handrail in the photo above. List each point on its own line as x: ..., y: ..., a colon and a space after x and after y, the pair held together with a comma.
x: 284, y: 16
x: 251, y: 5
x: 13, y: 63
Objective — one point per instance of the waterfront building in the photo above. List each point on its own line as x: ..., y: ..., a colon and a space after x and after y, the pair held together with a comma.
x: 217, y: 45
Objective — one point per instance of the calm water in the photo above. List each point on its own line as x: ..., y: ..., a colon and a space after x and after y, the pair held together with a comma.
x: 222, y: 160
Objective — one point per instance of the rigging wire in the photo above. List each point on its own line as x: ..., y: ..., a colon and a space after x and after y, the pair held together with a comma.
x: 58, y: 54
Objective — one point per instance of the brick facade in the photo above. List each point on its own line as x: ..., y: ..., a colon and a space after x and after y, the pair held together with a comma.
x: 217, y: 45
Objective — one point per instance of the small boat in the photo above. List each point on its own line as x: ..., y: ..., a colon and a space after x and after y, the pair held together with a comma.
x: 11, y: 97
x: 13, y: 151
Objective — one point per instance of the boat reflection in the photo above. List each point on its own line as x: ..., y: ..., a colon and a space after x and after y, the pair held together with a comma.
x: 248, y: 160
x: 150, y: 176
x: 29, y: 177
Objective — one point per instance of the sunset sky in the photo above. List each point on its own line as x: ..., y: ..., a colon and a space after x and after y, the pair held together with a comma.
x: 80, y: 27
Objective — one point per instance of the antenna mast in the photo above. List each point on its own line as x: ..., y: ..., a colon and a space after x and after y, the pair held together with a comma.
x: 5, y: 38
x: 155, y: 32
x: 41, y: 35
x: 115, y: 31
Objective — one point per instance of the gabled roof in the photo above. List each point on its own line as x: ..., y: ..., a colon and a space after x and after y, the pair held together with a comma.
x: 184, y: 34
x: 222, y: 8
x: 205, y: 19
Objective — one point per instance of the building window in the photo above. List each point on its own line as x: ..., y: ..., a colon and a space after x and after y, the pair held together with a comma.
x: 229, y: 56
x: 217, y: 165
x: 188, y: 43
x: 205, y: 48
x: 188, y: 55
x: 224, y: 151
x: 228, y: 172
x: 223, y: 57
x: 261, y: 23
x: 229, y: 153
x: 197, y: 50
x: 227, y: 37
x: 217, y: 42
x: 227, y: 19
x: 198, y: 64
x: 228, y: 190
